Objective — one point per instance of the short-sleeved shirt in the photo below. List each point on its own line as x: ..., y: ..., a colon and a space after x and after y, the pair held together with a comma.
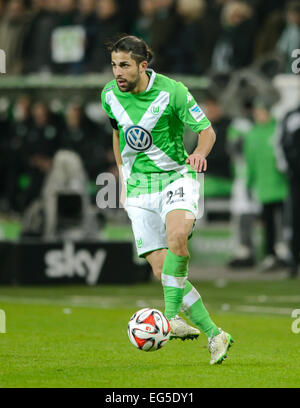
x: 151, y: 125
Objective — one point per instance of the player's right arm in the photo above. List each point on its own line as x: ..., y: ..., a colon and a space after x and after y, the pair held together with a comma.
x: 116, y: 141
x: 206, y: 140
x: 189, y: 112
x: 118, y: 158
x: 116, y: 148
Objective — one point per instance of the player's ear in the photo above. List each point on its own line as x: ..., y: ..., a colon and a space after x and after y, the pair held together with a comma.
x: 143, y: 66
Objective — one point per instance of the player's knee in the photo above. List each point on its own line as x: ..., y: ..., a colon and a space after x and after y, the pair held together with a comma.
x: 157, y: 271
x: 177, y: 237
x: 177, y: 242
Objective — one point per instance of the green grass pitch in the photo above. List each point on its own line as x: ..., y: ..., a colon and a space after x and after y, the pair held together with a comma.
x: 77, y: 337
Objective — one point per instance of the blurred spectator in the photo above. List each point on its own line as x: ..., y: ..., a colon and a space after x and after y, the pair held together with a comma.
x: 163, y: 33
x: 289, y: 146
x: 269, y: 34
x: 142, y: 26
x: 42, y: 140
x: 88, y: 139
x: 65, y: 201
x: 110, y: 23
x: 13, y: 25
x: 265, y: 8
x: 5, y: 132
x: 37, y: 44
x: 243, y: 87
x: 2, y: 8
x: 62, y: 208
x: 17, y: 180
x: 22, y: 119
x: 290, y: 37
x: 69, y: 36
x: 88, y: 20
x: 219, y: 159
x: 265, y: 180
x: 130, y: 11
x: 234, y: 48
x: 68, y: 39
x: 48, y: 184
x: 194, y: 38
x: 243, y: 208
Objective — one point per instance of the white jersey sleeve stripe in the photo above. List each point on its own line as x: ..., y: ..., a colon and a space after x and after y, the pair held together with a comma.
x: 117, y: 109
x: 149, y: 120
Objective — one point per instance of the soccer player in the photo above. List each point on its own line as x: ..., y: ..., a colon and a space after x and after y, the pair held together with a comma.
x: 148, y: 112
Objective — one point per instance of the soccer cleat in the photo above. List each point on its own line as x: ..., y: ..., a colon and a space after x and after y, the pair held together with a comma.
x: 218, y: 347
x: 181, y: 330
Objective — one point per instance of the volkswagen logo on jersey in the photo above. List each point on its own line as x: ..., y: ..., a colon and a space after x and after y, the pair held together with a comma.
x: 138, y: 138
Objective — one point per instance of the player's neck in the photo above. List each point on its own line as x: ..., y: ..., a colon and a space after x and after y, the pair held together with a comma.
x: 142, y: 84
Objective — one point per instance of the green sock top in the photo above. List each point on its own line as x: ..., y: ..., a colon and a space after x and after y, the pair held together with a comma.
x: 175, y: 265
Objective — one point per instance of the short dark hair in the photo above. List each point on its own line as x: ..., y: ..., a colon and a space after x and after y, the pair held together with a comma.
x: 140, y: 51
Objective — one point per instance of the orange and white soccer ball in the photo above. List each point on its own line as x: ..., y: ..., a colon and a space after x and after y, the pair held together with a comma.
x: 148, y: 329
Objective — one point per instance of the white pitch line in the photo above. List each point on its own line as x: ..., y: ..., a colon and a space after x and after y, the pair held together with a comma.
x: 94, y: 302
x: 264, y: 309
x: 111, y: 302
x: 45, y: 302
x: 275, y: 299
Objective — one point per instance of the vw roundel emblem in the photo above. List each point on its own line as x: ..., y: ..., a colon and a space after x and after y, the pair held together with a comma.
x: 138, y: 138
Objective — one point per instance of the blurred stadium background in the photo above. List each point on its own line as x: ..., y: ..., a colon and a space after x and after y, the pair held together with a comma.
x: 241, y: 61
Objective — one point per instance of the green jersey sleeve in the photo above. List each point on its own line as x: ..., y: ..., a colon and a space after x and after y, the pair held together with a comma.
x: 187, y: 109
x: 105, y: 105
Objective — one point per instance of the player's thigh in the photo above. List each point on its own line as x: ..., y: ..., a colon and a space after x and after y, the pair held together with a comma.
x: 180, y: 207
x: 148, y: 230
x: 179, y: 224
x: 156, y: 259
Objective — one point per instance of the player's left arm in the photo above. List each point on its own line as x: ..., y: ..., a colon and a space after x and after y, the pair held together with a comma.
x: 189, y: 112
x: 206, y: 140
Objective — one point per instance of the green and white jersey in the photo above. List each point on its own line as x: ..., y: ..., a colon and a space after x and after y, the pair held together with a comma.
x: 151, y: 125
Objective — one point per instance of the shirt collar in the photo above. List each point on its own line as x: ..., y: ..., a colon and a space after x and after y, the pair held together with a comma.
x: 152, y: 78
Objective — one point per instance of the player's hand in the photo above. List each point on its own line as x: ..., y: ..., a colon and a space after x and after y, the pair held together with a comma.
x: 197, y: 162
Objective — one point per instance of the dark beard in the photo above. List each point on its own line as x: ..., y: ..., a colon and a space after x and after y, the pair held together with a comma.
x: 130, y: 85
